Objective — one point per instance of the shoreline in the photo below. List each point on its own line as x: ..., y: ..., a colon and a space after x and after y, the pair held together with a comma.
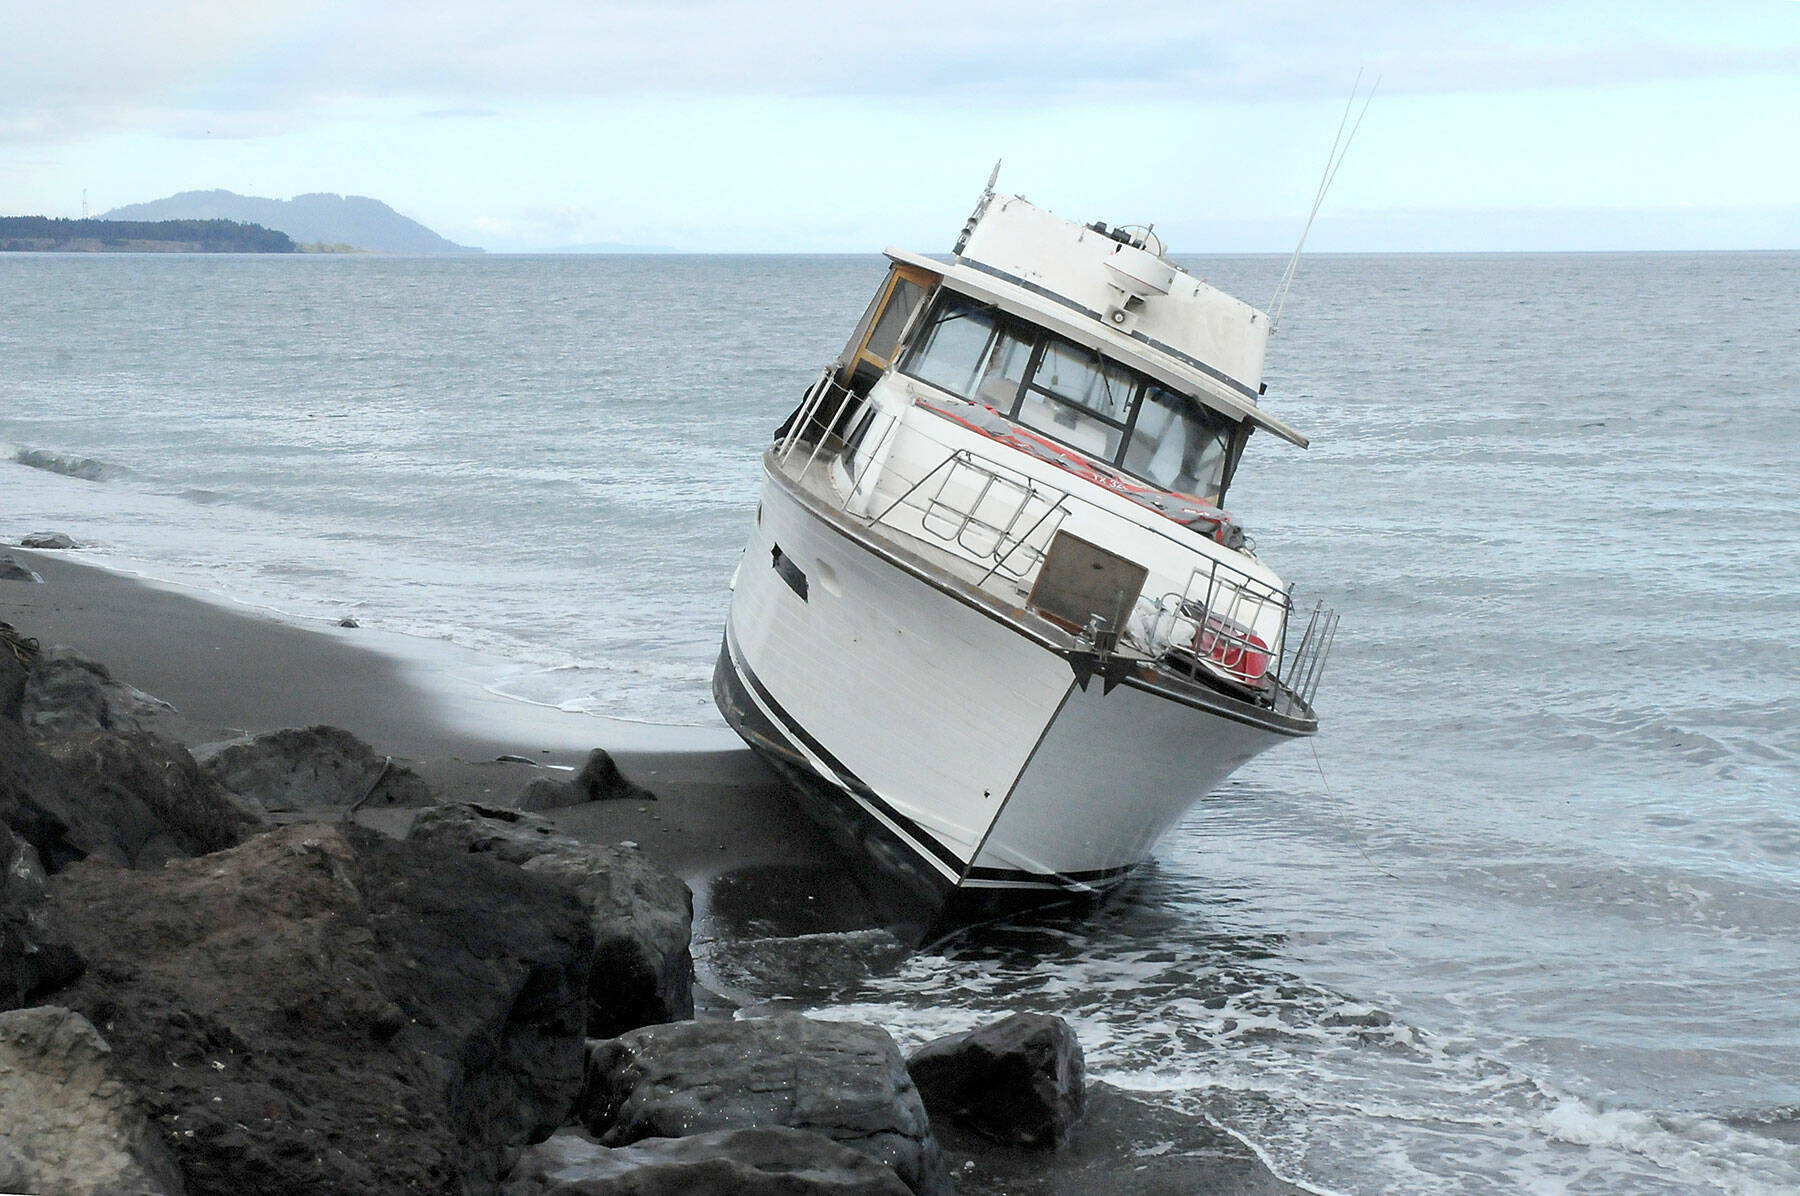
x: 230, y: 670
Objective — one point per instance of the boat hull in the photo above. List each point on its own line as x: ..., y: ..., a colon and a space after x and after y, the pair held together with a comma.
x: 928, y: 731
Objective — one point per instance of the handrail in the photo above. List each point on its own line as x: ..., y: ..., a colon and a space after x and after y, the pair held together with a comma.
x: 1211, y: 626
x: 1002, y: 500
x: 1302, y: 671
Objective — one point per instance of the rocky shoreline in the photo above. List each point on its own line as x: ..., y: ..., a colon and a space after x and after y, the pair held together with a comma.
x: 282, y: 962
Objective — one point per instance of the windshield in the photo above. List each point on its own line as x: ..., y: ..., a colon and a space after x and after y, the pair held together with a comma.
x: 1073, y: 395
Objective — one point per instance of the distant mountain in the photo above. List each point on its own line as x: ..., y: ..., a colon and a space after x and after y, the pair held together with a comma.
x: 309, y: 219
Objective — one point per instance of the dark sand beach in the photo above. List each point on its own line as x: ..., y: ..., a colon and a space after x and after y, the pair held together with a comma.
x: 228, y: 671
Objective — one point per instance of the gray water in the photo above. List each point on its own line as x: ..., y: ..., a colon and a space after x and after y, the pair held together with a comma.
x: 1524, y: 918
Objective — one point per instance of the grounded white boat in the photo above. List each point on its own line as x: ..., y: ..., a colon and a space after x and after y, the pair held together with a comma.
x: 993, y: 622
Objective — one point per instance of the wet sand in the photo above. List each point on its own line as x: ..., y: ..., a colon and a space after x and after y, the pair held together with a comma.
x: 232, y: 670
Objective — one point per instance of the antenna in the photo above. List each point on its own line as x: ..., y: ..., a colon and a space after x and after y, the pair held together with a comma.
x: 980, y: 207
x: 1340, y: 149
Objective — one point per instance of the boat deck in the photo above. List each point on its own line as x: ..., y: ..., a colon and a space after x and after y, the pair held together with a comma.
x: 812, y: 475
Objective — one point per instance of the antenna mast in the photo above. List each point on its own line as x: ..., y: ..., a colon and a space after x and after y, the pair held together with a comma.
x: 1340, y: 149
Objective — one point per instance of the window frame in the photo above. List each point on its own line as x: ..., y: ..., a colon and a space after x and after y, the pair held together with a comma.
x: 1235, y: 432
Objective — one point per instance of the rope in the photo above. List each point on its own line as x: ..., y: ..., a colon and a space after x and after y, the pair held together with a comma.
x: 1313, y: 742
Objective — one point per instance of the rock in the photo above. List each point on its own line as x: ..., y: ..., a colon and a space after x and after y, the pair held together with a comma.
x: 79, y: 777
x: 66, y: 693
x: 642, y: 918
x: 311, y: 769
x: 842, y: 1080
x: 68, y: 1122
x: 325, y: 1010
x: 499, y: 831
x: 601, y: 780
x: 640, y: 915
x: 1017, y: 1081
x: 16, y: 653
x: 36, y: 798
x: 11, y: 570
x: 140, y: 800
x: 767, y: 1161
x: 50, y: 540
x: 347, y: 621
x: 34, y: 958
x: 598, y: 780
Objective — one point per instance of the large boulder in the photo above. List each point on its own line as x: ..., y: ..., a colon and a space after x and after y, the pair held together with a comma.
x: 49, y: 540
x: 641, y: 915
x: 69, y: 1122
x: 843, y: 1080
x: 598, y: 780
x: 766, y: 1161
x: 139, y: 800
x: 642, y: 919
x: 66, y: 693
x: 325, y: 1010
x: 1017, y: 1080
x: 309, y: 769
x: 38, y: 799
x: 34, y: 957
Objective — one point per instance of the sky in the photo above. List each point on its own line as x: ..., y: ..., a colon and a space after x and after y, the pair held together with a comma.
x: 846, y: 126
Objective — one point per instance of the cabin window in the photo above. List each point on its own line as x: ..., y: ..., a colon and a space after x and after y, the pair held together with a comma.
x: 872, y: 347
x: 1074, y: 395
x: 1079, y: 398
x: 971, y: 352
x: 1179, y: 445
x: 901, y: 304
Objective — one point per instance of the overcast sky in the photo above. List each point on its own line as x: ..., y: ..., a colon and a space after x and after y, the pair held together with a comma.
x: 714, y: 125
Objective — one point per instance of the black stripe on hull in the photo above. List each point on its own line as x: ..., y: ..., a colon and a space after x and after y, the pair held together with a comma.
x: 910, y: 888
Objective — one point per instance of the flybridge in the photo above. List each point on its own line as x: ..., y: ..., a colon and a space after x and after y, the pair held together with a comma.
x: 1119, y: 297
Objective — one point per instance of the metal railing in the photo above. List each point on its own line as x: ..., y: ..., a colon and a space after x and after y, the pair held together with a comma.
x: 995, y: 515
x: 821, y: 392
x: 1302, y: 669
x: 999, y: 517
x: 1211, y: 626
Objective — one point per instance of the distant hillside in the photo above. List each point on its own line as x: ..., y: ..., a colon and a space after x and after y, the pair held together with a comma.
x: 43, y: 234
x: 330, y: 219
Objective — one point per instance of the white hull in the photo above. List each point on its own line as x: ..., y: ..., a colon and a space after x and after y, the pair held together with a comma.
x: 961, y: 742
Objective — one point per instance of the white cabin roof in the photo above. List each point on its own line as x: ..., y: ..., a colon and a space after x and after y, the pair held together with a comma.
x: 1124, y: 301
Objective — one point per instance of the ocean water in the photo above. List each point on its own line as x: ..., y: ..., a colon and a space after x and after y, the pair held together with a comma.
x: 1525, y: 917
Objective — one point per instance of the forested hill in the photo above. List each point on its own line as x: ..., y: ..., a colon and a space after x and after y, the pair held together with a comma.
x: 42, y: 233
x: 357, y: 220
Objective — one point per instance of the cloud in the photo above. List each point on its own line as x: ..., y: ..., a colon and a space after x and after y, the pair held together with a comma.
x: 98, y: 65
x: 464, y: 113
